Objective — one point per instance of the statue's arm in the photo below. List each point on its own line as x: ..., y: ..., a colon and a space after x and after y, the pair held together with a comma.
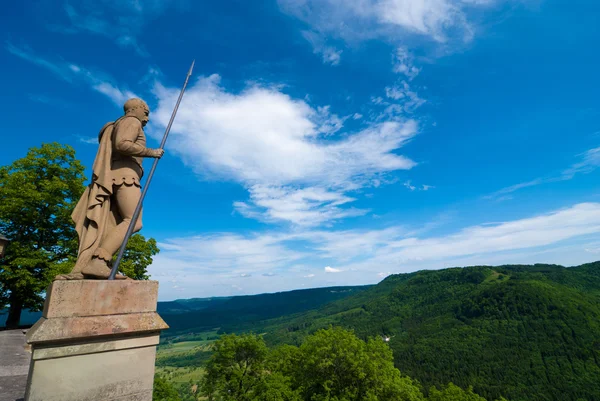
x: 125, y: 139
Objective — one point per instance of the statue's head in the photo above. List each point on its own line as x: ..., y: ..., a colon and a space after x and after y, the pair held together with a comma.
x: 137, y: 108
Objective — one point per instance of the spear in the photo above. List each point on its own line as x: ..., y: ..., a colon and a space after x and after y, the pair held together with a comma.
x: 138, y: 208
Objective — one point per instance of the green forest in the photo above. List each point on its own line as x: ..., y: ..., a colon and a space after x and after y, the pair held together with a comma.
x: 519, y: 332
x: 330, y: 365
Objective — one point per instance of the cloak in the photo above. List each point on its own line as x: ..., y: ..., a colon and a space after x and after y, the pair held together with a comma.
x: 95, y: 215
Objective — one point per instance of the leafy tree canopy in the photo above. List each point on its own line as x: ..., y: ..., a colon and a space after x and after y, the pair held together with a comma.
x: 37, y: 195
x: 331, y: 365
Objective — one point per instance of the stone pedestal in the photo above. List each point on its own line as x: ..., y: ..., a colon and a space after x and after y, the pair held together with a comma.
x: 95, y: 341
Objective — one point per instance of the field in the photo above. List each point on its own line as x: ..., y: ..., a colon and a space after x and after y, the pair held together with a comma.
x: 179, y: 359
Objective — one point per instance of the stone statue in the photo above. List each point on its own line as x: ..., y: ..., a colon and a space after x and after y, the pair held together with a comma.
x: 106, y: 208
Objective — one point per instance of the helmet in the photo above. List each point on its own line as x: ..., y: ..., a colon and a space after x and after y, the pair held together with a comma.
x: 134, y: 103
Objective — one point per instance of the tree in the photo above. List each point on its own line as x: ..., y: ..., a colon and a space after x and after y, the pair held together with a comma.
x: 236, y: 370
x: 138, y: 256
x: 336, y: 365
x: 276, y: 387
x: 451, y: 392
x: 37, y: 194
x: 164, y: 391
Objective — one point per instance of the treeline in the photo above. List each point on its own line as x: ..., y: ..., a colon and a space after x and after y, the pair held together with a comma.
x: 330, y: 365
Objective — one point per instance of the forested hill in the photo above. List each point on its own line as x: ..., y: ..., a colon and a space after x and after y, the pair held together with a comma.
x: 523, y: 332
x: 230, y: 314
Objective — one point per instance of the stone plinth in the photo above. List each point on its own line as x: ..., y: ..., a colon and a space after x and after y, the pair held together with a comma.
x: 95, y: 341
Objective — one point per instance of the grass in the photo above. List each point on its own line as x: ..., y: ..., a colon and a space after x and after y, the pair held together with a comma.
x: 181, y: 347
x: 181, y: 375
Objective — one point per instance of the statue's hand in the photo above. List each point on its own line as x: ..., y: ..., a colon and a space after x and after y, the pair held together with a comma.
x: 157, y: 153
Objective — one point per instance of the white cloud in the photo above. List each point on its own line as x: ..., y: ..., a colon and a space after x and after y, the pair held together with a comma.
x: 282, y: 149
x: 532, y: 232
x: 329, y: 269
x: 211, y: 264
x: 309, y: 206
x: 243, y: 254
x: 392, y: 20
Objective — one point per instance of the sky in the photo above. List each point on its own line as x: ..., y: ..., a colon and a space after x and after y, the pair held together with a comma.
x: 327, y: 142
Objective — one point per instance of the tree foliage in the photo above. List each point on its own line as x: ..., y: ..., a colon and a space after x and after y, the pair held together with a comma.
x: 451, y: 392
x: 236, y: 369
x: 138, y: 256
x: 331, y: 365
x: 334, y: 364
x: 164, y: 391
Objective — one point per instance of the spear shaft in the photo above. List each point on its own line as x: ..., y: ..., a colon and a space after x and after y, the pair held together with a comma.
x: 138, y: 208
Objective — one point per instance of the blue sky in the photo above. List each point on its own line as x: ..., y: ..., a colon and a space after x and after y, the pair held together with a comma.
x: 328, y: 142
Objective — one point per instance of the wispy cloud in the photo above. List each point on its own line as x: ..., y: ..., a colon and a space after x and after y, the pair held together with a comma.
x: 89, y: 140
x: 330, y: 54
x: 308, y: 206
x: 589, y: 161
x: 212, y: 263
x: 391, y: 20
x: 50, y: 100
x: 74, y: 74
x: 120, y: 21
x: 403, y: 63
x: 60, y: 68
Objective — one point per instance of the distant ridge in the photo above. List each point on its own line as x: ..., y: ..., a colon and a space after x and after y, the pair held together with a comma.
x: 304, y: 299
x: 245, y: 311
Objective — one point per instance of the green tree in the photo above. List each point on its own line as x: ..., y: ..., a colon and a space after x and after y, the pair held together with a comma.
x: 452, y: 392
x: 336, y: 365
x: 164, y: 391
x: 138, y: 256
x: 37, y: 194
x: 276, y: 387
x: 236, y: 370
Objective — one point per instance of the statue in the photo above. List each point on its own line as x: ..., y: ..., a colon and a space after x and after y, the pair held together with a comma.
x: 106, y: 211
x: 106, y: 208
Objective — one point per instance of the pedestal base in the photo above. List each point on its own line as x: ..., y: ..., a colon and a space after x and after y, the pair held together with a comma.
x: 96, y: 341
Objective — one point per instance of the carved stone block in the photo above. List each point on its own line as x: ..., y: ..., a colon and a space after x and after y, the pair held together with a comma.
x: 95, y: 341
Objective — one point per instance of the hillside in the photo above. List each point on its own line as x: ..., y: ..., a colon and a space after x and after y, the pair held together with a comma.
x: 245, y: 312
x: 523, y: 332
